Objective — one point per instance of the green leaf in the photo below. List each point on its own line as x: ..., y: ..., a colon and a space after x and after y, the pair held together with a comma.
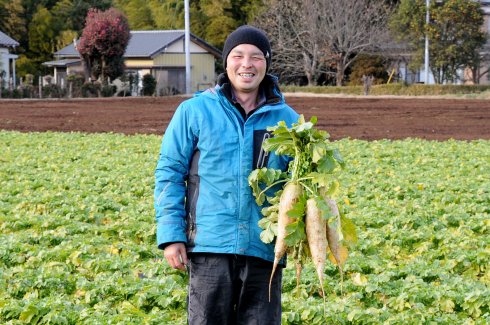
x: 318, y: 151
x: 260, y: 199
x: 332, y: 190
x: 348, y: 230
x: 323, y: 207
x: 267, y: 236
x: 267, y: 211
x: 298, y: 209
x: 295, y: 233
x: 28, y: 313
x: 280, y: 146
x: 303, y: 127
x: 264, y: 223
x: 326, y: 165
x: 338, y: 158
x: 322, y: 180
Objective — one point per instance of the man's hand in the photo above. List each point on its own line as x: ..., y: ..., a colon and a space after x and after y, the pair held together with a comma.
x: 176, y: 256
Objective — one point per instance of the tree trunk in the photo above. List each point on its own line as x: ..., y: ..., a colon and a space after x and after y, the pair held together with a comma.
x: 340, y: 71
x: 102, y: 72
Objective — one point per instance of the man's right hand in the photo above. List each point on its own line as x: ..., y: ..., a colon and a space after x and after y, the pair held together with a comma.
x: 176, y: 256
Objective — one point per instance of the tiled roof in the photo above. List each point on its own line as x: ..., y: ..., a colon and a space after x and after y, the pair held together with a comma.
x: 6, y: 40
x: 146, y: 43
x: 61, y: 63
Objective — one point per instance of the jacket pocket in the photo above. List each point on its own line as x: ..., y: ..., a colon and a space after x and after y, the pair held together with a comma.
x: 260, y: 157
x: 191, y: 216
x: 191, y: 199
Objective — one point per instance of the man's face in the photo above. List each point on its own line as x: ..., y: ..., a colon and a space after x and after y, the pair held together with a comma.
x: 245, y: 66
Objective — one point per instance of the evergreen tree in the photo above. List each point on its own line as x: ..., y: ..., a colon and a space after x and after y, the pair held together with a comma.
x: 454, y: 32
x: 12, y: 22
x: 139, y: 15
x: 42, y: 37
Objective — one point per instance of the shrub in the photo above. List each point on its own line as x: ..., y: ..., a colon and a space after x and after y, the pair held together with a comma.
x: 368, y: 65
x: 149, y: 85
x: 5, y: 93
x: 16, y: 93
x: 53, y: 91
x: 399, y: 89
x: 27, y: 91
x: 90, y: 89
x: 168, y: 91
x: 108, y: 90
x: 76, y: 80
x: 29, y: 79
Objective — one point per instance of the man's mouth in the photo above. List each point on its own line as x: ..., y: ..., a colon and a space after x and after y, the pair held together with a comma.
x: 247, y: 75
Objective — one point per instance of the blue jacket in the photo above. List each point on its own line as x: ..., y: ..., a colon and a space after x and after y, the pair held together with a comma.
x: 202, y: 196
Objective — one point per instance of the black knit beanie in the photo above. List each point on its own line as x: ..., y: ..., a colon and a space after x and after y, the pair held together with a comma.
x: 247, y: 34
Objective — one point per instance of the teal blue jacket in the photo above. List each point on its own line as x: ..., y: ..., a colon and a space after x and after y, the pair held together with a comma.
x: 202, y: 196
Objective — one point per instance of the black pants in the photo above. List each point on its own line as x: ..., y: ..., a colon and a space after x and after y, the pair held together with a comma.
x: 232, y: 289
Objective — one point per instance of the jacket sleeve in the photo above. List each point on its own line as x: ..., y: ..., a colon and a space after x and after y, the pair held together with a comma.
x: 170, y: 178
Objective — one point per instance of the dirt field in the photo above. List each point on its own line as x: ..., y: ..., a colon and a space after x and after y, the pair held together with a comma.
x: 366, y: 118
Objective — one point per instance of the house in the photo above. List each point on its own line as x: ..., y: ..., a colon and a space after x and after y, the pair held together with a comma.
x: 160, y: 53
x: 7, y: 60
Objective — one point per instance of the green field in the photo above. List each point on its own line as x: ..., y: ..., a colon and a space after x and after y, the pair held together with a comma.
x: 77, y: 243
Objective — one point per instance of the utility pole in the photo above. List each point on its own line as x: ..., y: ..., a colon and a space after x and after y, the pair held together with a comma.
x: 427, y: 21
x: 187, y: 49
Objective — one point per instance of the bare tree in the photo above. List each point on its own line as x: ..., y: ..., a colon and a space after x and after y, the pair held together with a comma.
x: 352, y: 27
x: 317, y: 36
x: 292, y: 26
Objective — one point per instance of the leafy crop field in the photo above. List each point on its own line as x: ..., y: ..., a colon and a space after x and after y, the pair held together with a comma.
x: 78, y: 247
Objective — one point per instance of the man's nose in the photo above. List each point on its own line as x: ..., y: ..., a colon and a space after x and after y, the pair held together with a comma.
x: 247, y: 61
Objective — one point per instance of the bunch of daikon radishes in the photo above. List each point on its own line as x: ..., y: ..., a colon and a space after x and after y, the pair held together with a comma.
x: 303, y: 217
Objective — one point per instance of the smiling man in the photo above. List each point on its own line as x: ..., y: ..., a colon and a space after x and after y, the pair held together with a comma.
x: 207, y: 218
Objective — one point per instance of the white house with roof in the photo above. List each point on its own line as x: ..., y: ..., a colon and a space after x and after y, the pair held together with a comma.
x: 7, y: 60
x: 160, y: 53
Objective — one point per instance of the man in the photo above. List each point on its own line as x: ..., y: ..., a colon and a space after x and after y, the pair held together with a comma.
x: 206, y: 214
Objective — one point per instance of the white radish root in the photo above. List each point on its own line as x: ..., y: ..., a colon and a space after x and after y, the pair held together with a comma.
x: 290, y: 195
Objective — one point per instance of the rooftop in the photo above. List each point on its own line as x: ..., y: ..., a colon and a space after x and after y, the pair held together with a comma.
x: 147, y: 43
x: 6, y: 40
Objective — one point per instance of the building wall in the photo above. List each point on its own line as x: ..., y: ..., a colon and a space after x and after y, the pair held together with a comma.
x: 4, y: 65
x: 179, y: 47
x: 138, y: 63
x: 202, y: 68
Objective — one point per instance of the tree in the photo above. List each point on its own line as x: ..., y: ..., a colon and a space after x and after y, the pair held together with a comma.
x: 457, y: 28
x: 42, y: 36
x: 138, y: 12
x: 454, y: 32
x: 324, y: 35
x: 168, y: 14
x: 219, y: 22
x: 368, y: 65
x: 351, y: 28
x: 296, y: 42
x: 62, y: 15
x: 80, y: 9
x: 103, y: 43
x: 12, y: 20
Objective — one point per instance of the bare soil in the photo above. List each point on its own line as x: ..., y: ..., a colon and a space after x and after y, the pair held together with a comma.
x: 367, y: 118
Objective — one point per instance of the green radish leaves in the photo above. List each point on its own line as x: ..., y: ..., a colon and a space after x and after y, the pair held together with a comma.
x: 266, y: 177
x: 315, y: 162
x: 295, y: 231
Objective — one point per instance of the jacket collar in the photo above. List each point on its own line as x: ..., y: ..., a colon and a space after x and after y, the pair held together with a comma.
x: 268, y: 87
